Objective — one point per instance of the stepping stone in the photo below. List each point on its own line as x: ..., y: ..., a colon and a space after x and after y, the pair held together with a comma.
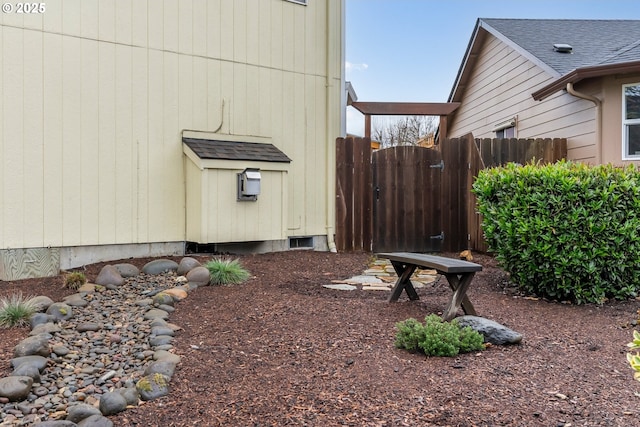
x: 361, y: 279
x: 341, y: 287
x: 375, y: 288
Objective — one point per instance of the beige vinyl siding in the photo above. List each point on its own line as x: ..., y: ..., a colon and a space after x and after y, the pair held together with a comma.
x: 95, y: 95
x: 500, y: 87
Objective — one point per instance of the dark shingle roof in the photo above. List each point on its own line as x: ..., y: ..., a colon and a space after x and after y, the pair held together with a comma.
x: 594, y: 42
x: 230, y: 150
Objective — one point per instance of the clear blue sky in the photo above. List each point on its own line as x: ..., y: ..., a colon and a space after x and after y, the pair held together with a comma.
x: 410, y: 50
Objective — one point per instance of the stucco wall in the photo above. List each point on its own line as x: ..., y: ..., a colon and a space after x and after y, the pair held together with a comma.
x: 612, y: 144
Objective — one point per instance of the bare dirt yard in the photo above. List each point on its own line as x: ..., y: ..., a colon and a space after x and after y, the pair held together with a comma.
x: 282, y: 350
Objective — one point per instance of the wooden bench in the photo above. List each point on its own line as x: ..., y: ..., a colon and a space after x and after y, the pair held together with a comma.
x: 459, y: 274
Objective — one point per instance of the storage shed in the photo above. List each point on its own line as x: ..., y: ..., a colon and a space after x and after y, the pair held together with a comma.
x: 236, y: 190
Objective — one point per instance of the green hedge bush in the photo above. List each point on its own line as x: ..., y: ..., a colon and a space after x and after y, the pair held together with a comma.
x: 565, y: 231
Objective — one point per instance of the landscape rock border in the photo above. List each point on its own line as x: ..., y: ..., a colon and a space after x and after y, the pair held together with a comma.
x: 34, y: 354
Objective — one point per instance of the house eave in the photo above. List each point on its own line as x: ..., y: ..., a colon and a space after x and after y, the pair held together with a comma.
x: 406, y: 108
x: 585, y: 73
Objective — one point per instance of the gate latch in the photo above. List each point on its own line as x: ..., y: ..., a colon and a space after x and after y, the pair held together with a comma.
x: 438, y: 236
x: 438, y: 165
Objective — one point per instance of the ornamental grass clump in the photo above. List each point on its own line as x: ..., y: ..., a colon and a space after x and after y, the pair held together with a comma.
x: 75, y: 280
x: 226, y: 272
x: 436, y: 337
x: 16, y: 310
x: 565, y: 231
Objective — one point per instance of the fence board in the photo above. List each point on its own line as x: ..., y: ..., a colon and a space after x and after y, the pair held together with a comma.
x: 353, y: 194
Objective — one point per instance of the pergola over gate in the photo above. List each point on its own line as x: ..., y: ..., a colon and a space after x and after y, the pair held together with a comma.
x: 440, y: 109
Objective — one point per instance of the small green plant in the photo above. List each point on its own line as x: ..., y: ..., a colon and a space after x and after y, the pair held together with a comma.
x: 75, y: 280
x: 634, y: 359
x: 436, y: 337
x: 226, y: 271
x: 16, y: 310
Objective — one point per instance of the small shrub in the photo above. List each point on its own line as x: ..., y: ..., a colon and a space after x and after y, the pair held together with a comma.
x: 75, y: 280
x: 226, y: 272
x: 16, y: 310
x: 634, y: 359
x: 410, y: 334
x: 437, y: 338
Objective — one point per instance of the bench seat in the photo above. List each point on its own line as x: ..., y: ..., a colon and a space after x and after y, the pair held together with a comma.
x: 459, y: 274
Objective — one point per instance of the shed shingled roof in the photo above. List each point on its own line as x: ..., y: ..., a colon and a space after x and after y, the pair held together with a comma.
x: 232, y: 150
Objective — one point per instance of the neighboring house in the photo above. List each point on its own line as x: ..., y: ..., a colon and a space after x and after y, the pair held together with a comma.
x: 124, y: 126
x: 574, y: 79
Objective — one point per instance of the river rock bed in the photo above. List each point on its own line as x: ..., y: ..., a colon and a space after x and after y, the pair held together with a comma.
x: 101, y: 350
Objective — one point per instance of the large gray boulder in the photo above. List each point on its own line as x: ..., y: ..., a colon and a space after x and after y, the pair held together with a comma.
x: 40, y: 319
x: 187, y: 264
x: 96, y: 421
x: 41, y: 302
x: 199, y: 275
x: 37, y: 345
x: 159, y: 266
x: 15, y: 388
x: 57, y: 423
x: 109, y: 275
x: 493, y: 332
x: 79, y: 412
x: 39, y: 362
x: 164, y: 367
x: 112, y: 403
x: 60, y: 311
x: 127, y: 270
x: 153, y: 386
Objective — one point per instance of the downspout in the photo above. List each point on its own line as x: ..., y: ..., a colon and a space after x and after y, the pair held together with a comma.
x: 330, y: 174
x: 598, y: 105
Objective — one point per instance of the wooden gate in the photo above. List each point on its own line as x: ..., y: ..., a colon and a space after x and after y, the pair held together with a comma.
x: 419, y: 199
x: 406, y: 202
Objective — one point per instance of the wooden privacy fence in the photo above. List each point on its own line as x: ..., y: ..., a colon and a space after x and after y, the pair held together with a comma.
x: 419, y: 199
x: 487, y: 153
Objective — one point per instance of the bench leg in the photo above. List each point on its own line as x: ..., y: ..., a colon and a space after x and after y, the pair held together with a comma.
x: 459, y: 286
x: 404, y: 272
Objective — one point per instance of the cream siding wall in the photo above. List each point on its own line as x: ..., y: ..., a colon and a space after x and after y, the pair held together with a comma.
x: 500, y: 87
x: 95, y: 94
